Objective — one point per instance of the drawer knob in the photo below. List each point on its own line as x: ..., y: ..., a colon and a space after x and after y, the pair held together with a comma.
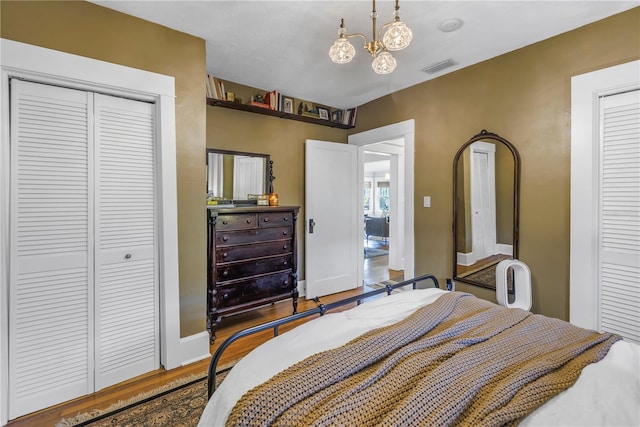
x: 225, y: 238
x: 225, y: 296
x: 266, y: 220
x: 284, y: 233
x: 248, y: 221
x: 225, y: 222
x: 127, y: 256
x: 284, y: 246
x: 285, y: 263
x: 286, y: 219
x: 225, y: 254
x: 225, y: 273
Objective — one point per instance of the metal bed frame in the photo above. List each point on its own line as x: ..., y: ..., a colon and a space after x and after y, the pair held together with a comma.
x: 321, y: 309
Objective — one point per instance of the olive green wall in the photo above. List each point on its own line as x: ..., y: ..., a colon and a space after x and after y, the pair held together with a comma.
x: 283, y: 140
x: 92, y: 31
x: 524, y: 96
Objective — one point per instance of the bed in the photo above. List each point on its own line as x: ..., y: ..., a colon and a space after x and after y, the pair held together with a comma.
x: 606, y: 392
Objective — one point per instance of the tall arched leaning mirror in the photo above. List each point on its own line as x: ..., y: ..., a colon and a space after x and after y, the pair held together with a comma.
x: 486, y: 200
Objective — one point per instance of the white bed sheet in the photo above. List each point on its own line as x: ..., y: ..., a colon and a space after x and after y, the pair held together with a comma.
x: 606, y: 394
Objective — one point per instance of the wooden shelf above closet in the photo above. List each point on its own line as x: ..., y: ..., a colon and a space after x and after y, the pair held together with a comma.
x: 268, y: 112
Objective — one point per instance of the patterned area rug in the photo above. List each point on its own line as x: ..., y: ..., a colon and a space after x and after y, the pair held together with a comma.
x: 181, y: 405
x: 487, y: 276
x: 373, y: 252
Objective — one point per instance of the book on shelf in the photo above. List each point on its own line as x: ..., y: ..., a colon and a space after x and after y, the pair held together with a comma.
x: 215, y: 88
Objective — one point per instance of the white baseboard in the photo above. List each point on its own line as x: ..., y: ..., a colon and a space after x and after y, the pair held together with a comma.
x: 465, y: 258
x: 194, y: 348
x: 302, y: 288
x: 504, y: 249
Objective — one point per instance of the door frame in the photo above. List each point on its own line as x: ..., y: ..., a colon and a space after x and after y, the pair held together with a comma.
x: 401, y: 130
x: 586, y: 89
x: 44, y: 65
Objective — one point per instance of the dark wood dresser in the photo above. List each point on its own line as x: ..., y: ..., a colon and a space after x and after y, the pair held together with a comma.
x: 252, y: 256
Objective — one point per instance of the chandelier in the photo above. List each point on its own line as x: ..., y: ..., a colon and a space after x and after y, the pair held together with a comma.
x: 397, y: 37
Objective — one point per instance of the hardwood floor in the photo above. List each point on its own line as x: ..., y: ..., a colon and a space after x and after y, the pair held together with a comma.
x: 376, y: 270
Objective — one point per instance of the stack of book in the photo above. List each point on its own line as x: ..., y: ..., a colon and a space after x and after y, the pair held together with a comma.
x: 215, y: 88
x: 349, y: 116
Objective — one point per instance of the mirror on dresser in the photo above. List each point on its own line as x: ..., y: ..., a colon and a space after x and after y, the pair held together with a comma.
x: 234, y: 175
x: 486, y: 182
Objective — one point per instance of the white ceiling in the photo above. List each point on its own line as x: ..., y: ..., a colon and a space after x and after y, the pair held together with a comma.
x: 284, y: 45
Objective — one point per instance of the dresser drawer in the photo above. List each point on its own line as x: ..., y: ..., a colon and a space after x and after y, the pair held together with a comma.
x: 253, y: 290
x: 239, y: 270
x: 275, y: 219
x: 224, y: 238
x: 236, y: 222
x: 241, y: 252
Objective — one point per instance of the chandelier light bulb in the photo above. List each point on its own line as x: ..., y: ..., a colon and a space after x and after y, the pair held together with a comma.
x: 398, y: 36
x: 384, y: 63
x: 342, y: 50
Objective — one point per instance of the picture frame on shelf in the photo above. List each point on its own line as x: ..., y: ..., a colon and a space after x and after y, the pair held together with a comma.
x: 336, y: 116
x: 323, y: 112
x: 287, y: 105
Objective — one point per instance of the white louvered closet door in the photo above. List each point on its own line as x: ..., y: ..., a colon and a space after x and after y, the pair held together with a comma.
x: 50, y: 346
x: 70, y: 280
x: 127, y: 317
x: 619, y: 266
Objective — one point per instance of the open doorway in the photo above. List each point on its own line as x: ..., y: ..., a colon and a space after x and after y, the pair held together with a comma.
x: 379, y: 185
x: 390, y: 199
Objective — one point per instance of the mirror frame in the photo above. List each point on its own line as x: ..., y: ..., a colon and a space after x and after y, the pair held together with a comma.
x: 268, y: 178
x: 484, y: 136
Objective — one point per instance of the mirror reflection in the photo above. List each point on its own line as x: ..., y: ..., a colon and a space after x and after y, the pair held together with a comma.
x: 486, y: 200
x: 233, y: 175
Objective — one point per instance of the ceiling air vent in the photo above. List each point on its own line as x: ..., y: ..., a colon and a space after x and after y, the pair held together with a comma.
x: 438, y: 66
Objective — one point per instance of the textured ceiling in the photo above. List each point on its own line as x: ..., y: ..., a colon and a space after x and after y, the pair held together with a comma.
x: 284, y: 45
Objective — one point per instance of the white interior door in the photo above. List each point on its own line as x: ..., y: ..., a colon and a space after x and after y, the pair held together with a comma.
x: 332, y: 228
x: 126, y: 273
x: 483, y: 204
x: 51, y: 255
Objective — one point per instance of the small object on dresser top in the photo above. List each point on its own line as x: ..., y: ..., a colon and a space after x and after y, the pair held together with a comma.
x: 263, y: 200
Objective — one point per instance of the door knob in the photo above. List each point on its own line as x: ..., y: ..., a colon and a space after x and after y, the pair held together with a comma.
x: 312, y: 224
